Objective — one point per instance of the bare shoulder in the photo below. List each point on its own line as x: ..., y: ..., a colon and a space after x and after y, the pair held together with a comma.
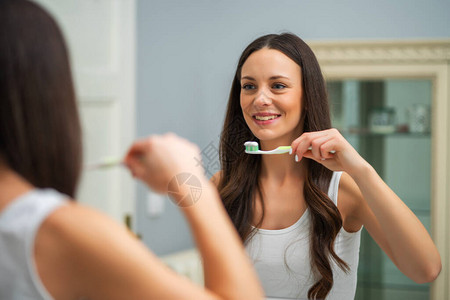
x: 88, y: 236
x: 80, y: 225
x: 348, y: 188
x: 215, y: 179
x: 80, y: 251
x: 76, y: 244
x: 79, y: 232
x: 350, y: 203
x: 64, y: 240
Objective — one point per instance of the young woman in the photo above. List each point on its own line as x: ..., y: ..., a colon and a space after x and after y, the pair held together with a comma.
x: 301, y: 215
x: 53, y: 248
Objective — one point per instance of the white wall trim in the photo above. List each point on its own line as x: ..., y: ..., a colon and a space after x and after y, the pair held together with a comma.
x: 412, y: 51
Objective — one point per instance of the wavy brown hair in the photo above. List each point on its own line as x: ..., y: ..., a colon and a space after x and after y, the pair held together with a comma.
x: 40, y: 134
x: 239, y: 181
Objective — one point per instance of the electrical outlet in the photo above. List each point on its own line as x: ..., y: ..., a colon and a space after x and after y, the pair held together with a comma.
x: 155, y: 204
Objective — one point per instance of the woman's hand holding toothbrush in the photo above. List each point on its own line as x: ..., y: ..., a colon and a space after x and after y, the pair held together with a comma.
x: 158, y: 159
x: 329, y: 148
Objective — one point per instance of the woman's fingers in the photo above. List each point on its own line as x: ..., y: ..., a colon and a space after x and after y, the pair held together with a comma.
x: 311, y: 143
x: 138, y: 148
x: 135, y: 156
x: 307, y: 137
x: 328, y: 149
x: 156, y: 160
x: 317, y: 149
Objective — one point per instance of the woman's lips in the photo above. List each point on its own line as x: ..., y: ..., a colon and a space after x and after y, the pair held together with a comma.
x: 265, y: 118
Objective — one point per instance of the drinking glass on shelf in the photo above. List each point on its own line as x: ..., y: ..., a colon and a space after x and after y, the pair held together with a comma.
x: 382, y: 120
x: 419, y: 118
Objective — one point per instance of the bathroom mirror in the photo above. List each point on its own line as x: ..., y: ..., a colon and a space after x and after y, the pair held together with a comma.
x: 388, y: 123
x: 391, y: 101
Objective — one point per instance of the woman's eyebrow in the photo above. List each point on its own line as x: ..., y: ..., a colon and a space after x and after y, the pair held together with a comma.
x: 278, y: 77
x: 271, y: 78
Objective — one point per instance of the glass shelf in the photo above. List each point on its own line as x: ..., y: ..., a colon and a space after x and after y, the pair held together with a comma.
x: 368, y: 132
x: 386, y: 285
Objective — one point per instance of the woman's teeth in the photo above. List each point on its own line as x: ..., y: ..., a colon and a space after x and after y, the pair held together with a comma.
x: 266, y: 118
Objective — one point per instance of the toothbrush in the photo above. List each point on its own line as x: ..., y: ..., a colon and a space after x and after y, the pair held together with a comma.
x: 106, y: 162
x: 253, y: 148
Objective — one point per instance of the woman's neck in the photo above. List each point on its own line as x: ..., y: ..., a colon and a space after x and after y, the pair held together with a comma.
x: 12, y: 186
x: 280, y: 167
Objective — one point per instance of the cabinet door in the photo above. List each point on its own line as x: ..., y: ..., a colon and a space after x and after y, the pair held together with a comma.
x: 389, y: 123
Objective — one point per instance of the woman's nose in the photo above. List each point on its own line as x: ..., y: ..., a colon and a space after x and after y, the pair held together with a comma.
x: 262, y: 99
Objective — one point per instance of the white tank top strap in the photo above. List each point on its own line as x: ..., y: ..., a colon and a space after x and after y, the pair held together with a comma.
x: 333, y: 189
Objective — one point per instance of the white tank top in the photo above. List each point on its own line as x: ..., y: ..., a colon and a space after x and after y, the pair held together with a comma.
x: 19, y: 223
x: 282, y: 259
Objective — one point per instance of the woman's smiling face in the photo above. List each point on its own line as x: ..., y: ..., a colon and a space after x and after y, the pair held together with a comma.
x: 271, y: 96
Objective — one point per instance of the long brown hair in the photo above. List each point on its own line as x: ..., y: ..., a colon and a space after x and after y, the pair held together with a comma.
x: 239, y: 181
x: 40, y: 135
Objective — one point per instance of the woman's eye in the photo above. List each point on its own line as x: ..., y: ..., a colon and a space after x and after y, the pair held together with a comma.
x: 278, y: 86
x: 248, y: 86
